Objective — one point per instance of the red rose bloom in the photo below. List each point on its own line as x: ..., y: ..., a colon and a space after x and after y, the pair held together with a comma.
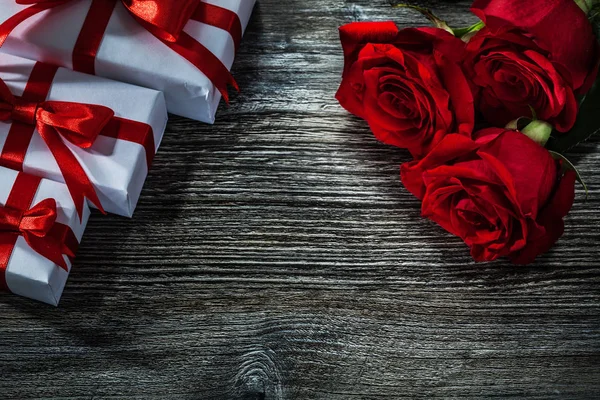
x: 408, y: 85
x: 502, y: 193
x: 513, y: 75
x: 557, y: 26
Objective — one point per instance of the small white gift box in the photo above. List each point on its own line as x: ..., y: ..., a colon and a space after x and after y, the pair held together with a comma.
x: 128, y: 52
x: 38, y: 219
x: 116, y: 165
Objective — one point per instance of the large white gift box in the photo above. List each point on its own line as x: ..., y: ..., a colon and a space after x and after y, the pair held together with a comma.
x: 23, y: 270
x: 128, y: 52
x: 117, y: 168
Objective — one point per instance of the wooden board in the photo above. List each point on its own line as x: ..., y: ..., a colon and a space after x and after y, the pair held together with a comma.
x: 276, y: 255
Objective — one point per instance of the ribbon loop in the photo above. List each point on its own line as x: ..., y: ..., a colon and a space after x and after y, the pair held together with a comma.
x: 167, y: 17
x: 37, y: 221
x: 78, y: 123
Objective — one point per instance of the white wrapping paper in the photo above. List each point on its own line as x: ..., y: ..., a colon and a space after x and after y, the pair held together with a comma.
x: 129, y: 53
x: 117, y: 168
x: 28, y: 273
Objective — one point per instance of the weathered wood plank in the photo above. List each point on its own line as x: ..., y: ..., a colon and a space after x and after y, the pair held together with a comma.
x: 276, y: 255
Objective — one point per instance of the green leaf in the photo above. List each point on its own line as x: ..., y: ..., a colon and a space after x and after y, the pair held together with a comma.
x: 437, y: 22
x: 594, y: 15
x: 587, y: 125
x: 469, y: 30
x: 568, y: 166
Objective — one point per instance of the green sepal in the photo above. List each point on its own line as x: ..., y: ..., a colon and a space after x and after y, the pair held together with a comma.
x: 468, y: 31
x: 437, y: 22
x: 568, y: 166
x: 519, y: 124
x: 587, y: 5
x: 533, y: 113
x: 539, y: 131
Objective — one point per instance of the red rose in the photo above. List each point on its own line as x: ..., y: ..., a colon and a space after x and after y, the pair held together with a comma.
x: 502, y: 193
x: 558, y: 26
x: 513, y: 75
x: 408, y: 85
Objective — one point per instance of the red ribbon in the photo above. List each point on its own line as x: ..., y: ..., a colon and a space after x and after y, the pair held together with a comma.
x: 37, y: 225
x: 57, y: 122
x: 165, y: 19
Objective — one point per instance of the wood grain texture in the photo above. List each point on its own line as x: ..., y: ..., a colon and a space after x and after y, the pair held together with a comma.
x: 276, y: 255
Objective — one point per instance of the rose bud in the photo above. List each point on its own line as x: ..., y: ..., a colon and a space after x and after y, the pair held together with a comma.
x: 407, y: 84
x: 501, y: 193
x: 512, y: 76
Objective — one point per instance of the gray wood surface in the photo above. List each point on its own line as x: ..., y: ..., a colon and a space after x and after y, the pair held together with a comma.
x: 276, y: 255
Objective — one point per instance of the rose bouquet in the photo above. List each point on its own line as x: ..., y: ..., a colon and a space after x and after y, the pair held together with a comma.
x: 487, y: 113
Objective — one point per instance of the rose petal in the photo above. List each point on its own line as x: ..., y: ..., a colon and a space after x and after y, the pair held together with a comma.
x: 450, y: 148
x: 356, y: 35
x: 528, y: 173
x: 551, y: 219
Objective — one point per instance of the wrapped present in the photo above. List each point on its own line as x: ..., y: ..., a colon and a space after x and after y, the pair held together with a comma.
x: 97, y: 136
x: 40, y: 231
x: 184, y: 48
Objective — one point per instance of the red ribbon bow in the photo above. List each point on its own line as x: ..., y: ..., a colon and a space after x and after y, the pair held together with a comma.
x: 77, y: 123
x: 37, y: 225
x: 37, y: 221
x: 165, y: 19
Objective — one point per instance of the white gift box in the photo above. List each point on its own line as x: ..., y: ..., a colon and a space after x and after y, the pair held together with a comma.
x: 117, y: 168
x: 129, y: 53
x: 28, y: 273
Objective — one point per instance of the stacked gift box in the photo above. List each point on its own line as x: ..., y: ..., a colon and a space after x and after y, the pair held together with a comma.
x: 85, y: 87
